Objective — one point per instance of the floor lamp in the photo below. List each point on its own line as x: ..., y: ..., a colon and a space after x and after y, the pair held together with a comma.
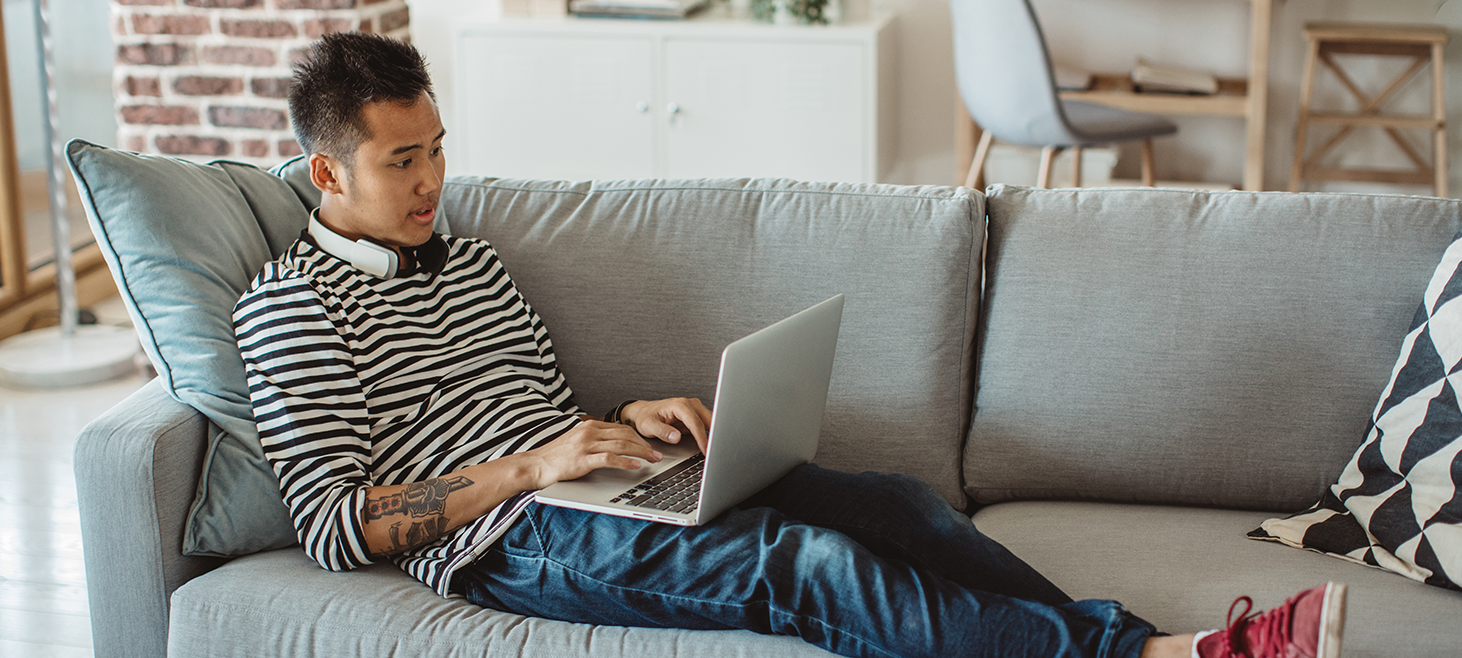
x: 67, y: 355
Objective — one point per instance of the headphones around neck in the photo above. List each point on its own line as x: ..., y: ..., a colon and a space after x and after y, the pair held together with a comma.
x: 363, y: 254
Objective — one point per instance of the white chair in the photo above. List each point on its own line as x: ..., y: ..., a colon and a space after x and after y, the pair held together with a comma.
x: 1004, y: 75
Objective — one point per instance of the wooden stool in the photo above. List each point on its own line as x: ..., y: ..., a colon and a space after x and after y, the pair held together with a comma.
x: 1420, y: 42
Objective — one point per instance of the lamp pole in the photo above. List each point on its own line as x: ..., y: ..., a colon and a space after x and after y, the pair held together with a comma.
x: 55, y: 184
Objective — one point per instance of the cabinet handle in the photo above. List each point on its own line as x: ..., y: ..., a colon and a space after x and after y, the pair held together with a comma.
x: 672, y: 108
x: 642, y: 106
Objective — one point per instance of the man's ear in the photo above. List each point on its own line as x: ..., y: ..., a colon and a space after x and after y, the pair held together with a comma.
x: 327, y: 173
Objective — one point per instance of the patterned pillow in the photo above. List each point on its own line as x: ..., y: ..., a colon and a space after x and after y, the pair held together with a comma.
x: 1398, y: 505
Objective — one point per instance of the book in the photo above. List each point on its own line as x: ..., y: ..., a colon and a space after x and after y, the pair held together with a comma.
x: 642, y: 4
x: 671, y: 9
x: 1147, y: 76
x: 1069, y: 78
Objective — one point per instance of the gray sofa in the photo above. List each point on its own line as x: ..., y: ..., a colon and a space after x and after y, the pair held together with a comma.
x: 1118, y: 384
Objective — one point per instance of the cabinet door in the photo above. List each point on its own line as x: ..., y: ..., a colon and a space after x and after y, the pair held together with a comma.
x: 756, y: 108
x: 541, y: 106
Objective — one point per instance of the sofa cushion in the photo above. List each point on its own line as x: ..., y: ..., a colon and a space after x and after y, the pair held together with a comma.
x: 183, y: 240
x: 1182, y: 347
x: 643, y: 283
x: 1397, y: 505
x: 279, y: 603
x: 1179, y: 568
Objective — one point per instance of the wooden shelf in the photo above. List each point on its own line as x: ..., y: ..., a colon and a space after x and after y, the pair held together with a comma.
x: 1232, y: 99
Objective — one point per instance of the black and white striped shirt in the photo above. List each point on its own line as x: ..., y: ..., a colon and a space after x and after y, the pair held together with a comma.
x: 358, y: 381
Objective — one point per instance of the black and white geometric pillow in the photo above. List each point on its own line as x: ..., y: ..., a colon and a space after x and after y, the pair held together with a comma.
x: 1398, y: 504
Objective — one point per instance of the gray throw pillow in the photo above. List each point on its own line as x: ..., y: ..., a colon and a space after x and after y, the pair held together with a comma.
x: 183, y: 241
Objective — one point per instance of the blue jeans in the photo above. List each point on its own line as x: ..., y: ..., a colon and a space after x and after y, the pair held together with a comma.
x: 860, y: 565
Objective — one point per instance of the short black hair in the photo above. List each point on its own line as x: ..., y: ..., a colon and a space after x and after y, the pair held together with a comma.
x: 342, y: 73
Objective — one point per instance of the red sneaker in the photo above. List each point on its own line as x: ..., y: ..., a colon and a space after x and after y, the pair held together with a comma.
x: 1308, y: 625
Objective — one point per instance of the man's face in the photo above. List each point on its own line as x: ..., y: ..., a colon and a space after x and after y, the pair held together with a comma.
x: 390, y: 193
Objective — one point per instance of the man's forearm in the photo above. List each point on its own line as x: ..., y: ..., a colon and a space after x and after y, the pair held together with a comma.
x: 406, y: 516
x: 422, y: 505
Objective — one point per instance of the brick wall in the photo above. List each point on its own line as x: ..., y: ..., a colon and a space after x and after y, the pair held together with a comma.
x: 206, y: 79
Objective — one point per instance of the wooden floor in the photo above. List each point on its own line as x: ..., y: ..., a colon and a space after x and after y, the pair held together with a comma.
x: 43, y: 609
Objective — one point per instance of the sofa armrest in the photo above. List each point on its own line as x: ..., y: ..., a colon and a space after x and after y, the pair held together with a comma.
x: 136, y: 470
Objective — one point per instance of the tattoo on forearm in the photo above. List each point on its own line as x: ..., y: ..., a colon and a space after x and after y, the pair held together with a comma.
x: 419, y: 534
x: 418, y: 499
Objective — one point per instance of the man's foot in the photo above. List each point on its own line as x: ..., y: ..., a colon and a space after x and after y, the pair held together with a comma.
x: 1308, y: 625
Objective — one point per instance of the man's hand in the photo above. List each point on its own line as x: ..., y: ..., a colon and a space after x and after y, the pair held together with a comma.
x: 590, y: 445
x: 400, y: 517
x: 667, y: 420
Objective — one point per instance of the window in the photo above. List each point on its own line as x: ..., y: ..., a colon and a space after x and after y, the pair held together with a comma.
x: 82, y: 69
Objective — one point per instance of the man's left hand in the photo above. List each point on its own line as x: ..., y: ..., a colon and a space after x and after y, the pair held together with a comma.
x: 668, y: 420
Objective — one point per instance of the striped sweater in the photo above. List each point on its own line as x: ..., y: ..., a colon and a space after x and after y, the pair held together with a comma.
x: 358, y: 381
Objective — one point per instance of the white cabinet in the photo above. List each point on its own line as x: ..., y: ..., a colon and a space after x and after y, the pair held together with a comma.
x: 556, y: 106
x: 581, y: 99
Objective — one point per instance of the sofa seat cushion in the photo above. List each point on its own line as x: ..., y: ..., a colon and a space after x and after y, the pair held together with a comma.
x: 279, y: 603
x: 1180, y: 568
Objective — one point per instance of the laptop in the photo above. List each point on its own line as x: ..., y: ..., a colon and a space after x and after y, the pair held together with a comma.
x: 766, y: 418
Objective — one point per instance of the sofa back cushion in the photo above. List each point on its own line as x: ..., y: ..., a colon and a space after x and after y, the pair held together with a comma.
x: 1190, y: 348
x: 643, y: 283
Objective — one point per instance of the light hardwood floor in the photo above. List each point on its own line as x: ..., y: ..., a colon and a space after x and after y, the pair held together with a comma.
x: 43, y: 610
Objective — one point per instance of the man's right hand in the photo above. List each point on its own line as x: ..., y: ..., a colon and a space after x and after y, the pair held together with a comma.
x: 408, y: 516
x: 590, y: 445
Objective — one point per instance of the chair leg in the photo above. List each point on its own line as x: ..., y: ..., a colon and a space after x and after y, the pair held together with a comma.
x: 1149, y: 177
x: 1043, y: 177
x: 1076, y: 166
x: 976, y: 178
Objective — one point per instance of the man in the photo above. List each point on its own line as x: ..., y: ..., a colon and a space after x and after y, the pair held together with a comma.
x: 409, y: 400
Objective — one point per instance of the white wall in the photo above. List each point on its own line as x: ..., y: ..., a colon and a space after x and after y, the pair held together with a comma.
x: 433, y: 23
x: 1108, y: 35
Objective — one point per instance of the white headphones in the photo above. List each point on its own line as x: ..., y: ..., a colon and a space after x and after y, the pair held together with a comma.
x: 365, y: 255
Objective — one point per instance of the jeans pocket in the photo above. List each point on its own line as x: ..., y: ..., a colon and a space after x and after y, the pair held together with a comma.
x: 523, y: 538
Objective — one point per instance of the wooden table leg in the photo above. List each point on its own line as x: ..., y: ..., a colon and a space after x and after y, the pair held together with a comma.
x: 1439, y: 108
x: 1261, y: 13
x: 1149, y: 173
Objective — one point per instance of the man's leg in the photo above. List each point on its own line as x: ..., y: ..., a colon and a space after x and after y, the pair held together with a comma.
x: 899, y: 517
x: 756, y: 569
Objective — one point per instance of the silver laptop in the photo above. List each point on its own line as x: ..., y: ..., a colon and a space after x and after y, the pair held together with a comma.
x: 765, y: 421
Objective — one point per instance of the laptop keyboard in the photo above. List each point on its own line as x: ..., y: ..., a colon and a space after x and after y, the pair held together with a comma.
x: 676, y: 490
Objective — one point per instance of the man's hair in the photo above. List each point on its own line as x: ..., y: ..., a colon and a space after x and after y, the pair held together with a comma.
x: 340, y: 75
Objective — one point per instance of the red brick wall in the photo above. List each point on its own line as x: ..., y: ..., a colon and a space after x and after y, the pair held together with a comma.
x: 206, y: 79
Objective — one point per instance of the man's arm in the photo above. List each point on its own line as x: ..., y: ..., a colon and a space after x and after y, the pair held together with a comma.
x: 401, y: 517
x: 310, y: 408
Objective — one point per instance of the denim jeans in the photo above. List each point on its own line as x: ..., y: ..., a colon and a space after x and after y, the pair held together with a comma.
x: 861, y: 565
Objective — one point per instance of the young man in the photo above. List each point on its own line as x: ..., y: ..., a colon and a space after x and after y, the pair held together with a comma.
x: 409, y: 400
